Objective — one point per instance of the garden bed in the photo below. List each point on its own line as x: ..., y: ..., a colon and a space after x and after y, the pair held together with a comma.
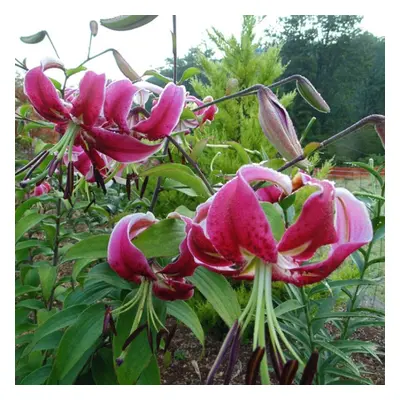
x: 187, y: 358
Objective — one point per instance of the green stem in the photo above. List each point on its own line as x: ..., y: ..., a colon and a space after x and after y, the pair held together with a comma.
x: 270, y: 313
x: 52, y: 44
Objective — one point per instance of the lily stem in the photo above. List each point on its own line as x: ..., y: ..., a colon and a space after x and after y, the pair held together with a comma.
x: 192, y: 163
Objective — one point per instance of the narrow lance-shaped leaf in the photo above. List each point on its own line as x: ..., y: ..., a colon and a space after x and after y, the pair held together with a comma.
x: 35, y: 38
x: 127, y: 22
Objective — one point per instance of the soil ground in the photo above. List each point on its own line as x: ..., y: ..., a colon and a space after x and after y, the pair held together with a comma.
x: 189, y: 367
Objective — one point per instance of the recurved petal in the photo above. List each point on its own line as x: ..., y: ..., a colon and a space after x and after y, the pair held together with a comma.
x: 125, y: 258
x: 173, y: 289
x: 122, y: 148
x: 185, y: 264
x: 237, y: 225
x: 165, y: 114
x: 271, y: 194
x: 353, y: 224
x: 251, y: 173
x: 315, y: 226
x: 88, y: 105
x: 43, y: 96
x: 118, y: 102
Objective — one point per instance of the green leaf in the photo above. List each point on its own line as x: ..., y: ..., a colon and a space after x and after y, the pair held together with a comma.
x: 58, y: 321
x: 241, y: 152
x: 337, y: 352
x: 345, y: 374
x: 187, y: 114
x: 358, y: 259
x: 19, y: 291
x: 369, y: 195
x: 79, y: 266
x: 92, y: 292
x: 217, y: 290
x: 185, y: 211
x: 28, y: 222
x: 151, y: 375
x: 161, y: 239
x: 73, y: 71
x: 171, y: 184
x: 339, y: 284
x: 310, y: 148
x: 103, y: 272
x: 37, y: 377
x: 198, y: 149
x: 28, y: 244
x: 94, y: 247
x: 30, y: 304
x: 103, y: 368
x: 35, y: 38
x: 48, y: 276
x: 184, y: 313
x: 379, y: 233
x: 138, y: 354
x: 188, y: 73
x: 127, y: 22
x: 49, y: 342
x: 275, y: 219
x: 340, y: 315
x: 180, y: 173
x: 156, y: 74
x: 287, y: 306
x: 88, y: 328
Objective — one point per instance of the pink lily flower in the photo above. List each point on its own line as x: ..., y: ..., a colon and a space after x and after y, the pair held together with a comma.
x: 165, y: 114
x: 95, y: 108
x: 232, y: 235
x: 129, y: 262
x: 41, y: 189
x: 233, y: 229
x: 203, y: 116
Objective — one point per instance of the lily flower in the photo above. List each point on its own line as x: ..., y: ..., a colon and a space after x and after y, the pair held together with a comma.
x: 277, y: 126
x: 95, y: 116
x: 130, y: 263
x: 41, y: 189
x: 232, y: 235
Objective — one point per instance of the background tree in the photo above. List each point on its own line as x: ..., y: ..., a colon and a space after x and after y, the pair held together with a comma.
x: 346, y: 65
x: 243, y: 64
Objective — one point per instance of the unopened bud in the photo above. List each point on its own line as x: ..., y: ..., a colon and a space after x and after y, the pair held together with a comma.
x: 94, y: 28
x: 310, y: 95
x: 277, y: 126
x: 124, y: 67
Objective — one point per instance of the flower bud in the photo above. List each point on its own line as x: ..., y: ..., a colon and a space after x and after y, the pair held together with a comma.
x: 277, y: 126
x: 94, y: 28
x: 310, y: 95
x: 124, y: 67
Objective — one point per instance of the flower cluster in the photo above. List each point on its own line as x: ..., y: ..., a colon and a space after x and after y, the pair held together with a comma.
x: 231, y: 231
x: 107, y: 119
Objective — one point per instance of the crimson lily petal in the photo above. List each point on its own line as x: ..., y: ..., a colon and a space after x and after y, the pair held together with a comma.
x: 354, y: 231
x: 315, y: 226
x: 118, y: 102
x: 122, y: 148
x: 185, y: 265
x: 173, y: 289
x: 43, y: 96
x: 90, y: 101
x: 125, y: 258
x: 236, y: 221
x: 165, y: 114
x: 271, y: 194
